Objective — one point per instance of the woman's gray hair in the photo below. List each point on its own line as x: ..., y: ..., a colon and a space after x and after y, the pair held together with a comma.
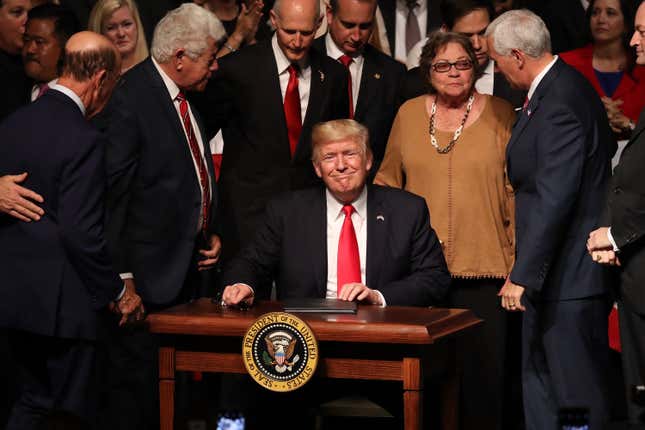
x: 520, y: 29
x: 188, y: 27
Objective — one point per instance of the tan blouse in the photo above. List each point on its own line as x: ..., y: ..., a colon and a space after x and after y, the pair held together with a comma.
x: 467, y: 191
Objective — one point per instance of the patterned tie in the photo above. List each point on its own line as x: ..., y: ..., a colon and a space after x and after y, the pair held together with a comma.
x: 349, y: 264
x: 292, y: 109
x: 42, y: 89
x: 204, y: 179
x: 346, y: 60
x: 412, y: 31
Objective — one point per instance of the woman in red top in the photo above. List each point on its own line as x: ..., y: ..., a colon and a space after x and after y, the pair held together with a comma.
x: 608, y: 63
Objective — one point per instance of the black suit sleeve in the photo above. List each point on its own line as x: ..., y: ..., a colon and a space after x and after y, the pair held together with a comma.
x: 560, y: 160
x: 122, y: 160
x: 82, y: 186
x: 428, y: 280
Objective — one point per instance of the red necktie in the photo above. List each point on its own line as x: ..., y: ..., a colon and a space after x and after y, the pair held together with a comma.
x: 346, y: 60
x: 292, y: 109
x: 204, y: 179
x: 526, y: 104
x: 349, y: 264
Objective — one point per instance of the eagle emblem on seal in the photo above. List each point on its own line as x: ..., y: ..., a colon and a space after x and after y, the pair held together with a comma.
x: 280, y: 351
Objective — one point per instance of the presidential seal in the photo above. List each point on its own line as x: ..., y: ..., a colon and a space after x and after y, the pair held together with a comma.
x: 280, y: 352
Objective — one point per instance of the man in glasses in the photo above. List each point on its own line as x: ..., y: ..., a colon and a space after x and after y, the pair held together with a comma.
x: 266, y: 98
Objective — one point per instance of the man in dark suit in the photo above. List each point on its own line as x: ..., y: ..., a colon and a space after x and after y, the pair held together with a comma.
x: 13, y: 81
x: 620, y: 242
x: 375, y: 80
x: 59, y: 276
x: 161, y: 197
x: 425, y: 13
x: 470, y: 18
x: 396, y: 259
x: 266, y: 98
x: 558, y: 162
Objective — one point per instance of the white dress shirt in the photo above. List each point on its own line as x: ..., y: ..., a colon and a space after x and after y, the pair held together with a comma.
x: 355, y: 67
x: 35, y: 89
x: 421, y: 12
x: 335, y: 219
x: 304, y: 76
x: 486, y: 83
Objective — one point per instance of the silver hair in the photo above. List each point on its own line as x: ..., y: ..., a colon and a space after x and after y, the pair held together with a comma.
x: 520, y: 29
x: 277, y: 7
x: 188, y: 27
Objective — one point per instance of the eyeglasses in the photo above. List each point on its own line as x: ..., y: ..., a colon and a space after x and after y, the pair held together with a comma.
x: 445, y: 66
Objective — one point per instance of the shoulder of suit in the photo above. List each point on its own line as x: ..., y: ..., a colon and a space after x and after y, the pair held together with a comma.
x: 372, y: 54
x: 297, y: 198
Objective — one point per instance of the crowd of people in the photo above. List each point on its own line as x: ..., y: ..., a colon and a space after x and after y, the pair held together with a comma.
x: 419, y: 153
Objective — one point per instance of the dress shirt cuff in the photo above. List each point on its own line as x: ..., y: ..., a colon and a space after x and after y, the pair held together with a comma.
x: 120, y: 294
x: 612, y: 241
x: 247, y: 285
x: 126, y: 275
x: 383, y: 302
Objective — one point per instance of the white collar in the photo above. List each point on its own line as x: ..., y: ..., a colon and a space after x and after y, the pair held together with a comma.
x: 336, y: 207
x: 334, y: 51
x: 540, y: 76
x: 171, y: 86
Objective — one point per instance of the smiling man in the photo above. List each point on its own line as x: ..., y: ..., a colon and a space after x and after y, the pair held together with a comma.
x: 48, y: 28
x: 375, y: 80
x: 348, y: 240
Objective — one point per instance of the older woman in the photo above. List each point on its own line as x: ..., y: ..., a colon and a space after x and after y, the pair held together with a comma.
x: 608, y: 63
x: 449, y: 147
x: 119, y: 21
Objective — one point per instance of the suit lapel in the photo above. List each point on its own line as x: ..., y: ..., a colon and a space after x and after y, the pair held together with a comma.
x: 377, y: 220
x: 534, y: 104
x: 388, y: 11
x: 316, y: 91
x: 369, y: 84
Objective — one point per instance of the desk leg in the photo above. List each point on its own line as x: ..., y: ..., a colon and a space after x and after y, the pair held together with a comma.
x: 166, y: 388
x: 412, y: 394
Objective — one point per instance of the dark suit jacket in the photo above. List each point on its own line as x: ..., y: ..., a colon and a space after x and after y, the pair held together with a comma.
x: 558, y: 162
x: 388, y: 10
x: 415, y: 86
x: 379, y: 97
x: 57, y: 271
x: 626, y: 216
x: 244, y: 99
x: 404, y: 258
x: 154, y: 196
x: 630, y: 90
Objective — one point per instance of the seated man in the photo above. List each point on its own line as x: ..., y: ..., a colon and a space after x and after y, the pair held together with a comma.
x: 349, y: 241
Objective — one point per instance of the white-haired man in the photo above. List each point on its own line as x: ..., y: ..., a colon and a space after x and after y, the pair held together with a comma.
x: 559, y: 165
x: 161, y: 196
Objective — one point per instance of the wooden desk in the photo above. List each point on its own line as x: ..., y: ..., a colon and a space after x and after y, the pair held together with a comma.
x: 388, y: 344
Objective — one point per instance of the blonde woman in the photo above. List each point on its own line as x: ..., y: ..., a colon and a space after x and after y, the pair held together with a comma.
x: 119, y: 21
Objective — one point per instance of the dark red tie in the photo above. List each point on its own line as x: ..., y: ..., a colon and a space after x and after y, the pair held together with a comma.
x: 526, y: 104
x: 292, y: 109
x: 349, y: 262
x: 204, y: 179
x: 42, y: 89
x: 346, y: 60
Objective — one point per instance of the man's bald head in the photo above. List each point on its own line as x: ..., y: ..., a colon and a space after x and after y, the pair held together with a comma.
x: 87, y: 53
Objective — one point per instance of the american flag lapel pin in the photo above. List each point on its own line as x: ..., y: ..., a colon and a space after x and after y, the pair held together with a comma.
x: 377, y: 76
x: 380, y: 217
x: 322, y: 76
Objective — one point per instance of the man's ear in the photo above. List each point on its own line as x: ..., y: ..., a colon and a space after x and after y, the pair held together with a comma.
x: 273, y: 17
x: 317, y: 168
x: 178, y: 58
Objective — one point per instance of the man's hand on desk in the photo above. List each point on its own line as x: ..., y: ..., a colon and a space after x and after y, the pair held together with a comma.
x: 235, y: 294
x: 360, y: 293
x: 129, y: 306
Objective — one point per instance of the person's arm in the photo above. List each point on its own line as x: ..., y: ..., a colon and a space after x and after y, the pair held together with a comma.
x: 560, y: 161
x: 246, y: 28
x: 391, y: 172
x: 428, y: 280
x: 18, y: 201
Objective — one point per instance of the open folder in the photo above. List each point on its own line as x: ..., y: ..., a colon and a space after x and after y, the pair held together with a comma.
x: 328, y: 306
